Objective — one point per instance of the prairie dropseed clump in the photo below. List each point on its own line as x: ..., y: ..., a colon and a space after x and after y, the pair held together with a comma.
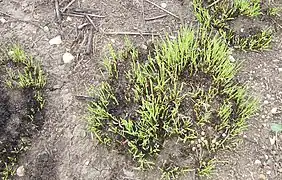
x: 219, y: 15
x: 182, y: 89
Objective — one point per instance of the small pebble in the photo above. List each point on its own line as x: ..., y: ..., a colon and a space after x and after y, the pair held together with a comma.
x: 258, y: 162
x: 231, y: 58
x: 268, y: 172
x: 274, y: 110
x: 223, y: 135
x: 68, y: 58
x: 163, y: 5
x: 45, y: 28
x: 242, y: 29
x: 262, y: 177
x: 265, y: 102
x: 87, y: 163
x: 280, y: 69
x: 55, y: 41
x: 143, y: 46
x: 20, y: 171
x: 272, y: 140
x: 279, y: 170
x: 2, y: 20
x: 69, y: 18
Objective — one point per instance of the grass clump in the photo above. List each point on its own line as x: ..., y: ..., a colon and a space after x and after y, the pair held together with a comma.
x: 23, y: 77
x: 219, y: 15
x: 185, y: 89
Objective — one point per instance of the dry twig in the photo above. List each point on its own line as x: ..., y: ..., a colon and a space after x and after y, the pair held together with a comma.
x: 68, y: 5
x: 89, y: 47
x: 154, y: 18
x: 170, y: 13
x: 58, y: 13
x: 132, y: 33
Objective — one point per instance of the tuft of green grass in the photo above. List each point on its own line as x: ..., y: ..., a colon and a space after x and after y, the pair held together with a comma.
x: 218, y: 15
x: 182, y: 89
x: 25, y: 75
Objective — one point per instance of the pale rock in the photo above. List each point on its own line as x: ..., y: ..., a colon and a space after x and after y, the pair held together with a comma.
x: 262, y: 177
x: 258, y: 162
x: 20, y: 171
x: 268, y: 172
x: 272, y: 140
x: 56, y: 40
x: 231, y: 58
x: 163, y: 5
x: 87, y: 163
x: 45, y: 28
x: 68, y: 58
x: 69, y: 18
x: 143, y: 46
x: 280, y: 69
x: 129, y: 174
x: 274, y: 110
x: 2, y: 20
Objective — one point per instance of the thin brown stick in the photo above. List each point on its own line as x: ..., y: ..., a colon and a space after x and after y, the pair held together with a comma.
x: 170, y: 13
x: 273, y: 20
x: 154, y: 18
x: 82, y: 26
x: 68, y: 5
x: 212, y: 4
x: 21, y: 20
x: 132, y: 33
x: 75, y: 14
x: 91, y: 22
x: 58, y: 13
x: 89, y: 47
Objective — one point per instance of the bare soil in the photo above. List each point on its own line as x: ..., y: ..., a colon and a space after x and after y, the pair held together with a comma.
x: 64, y: 149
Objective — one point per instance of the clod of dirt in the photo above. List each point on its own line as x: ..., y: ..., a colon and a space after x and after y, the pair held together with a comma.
x: 20, y: 171
x: 68, y: 58
x: 262, y: 177
x: 55, y: 41
x: 2, y: 20
x: 163, y: 5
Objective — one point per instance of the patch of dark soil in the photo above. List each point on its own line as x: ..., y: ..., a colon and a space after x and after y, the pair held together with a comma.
x: 21, y: 118
x: 44, y: 165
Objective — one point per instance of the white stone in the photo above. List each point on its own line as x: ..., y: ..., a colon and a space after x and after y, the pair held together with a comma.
x: 231, y: 58
x: 68, y: 58
x: 280, y: 69
x: 274, y: 110
x: 69, y: 18
x: 129, y: 174
x: 55, y: 41
x: 163, y: 5
x: 265, y: 102
x: 2, y: 20
x: 20, y: 171
x: 272, y: 140
x: 143, y: 46
x: 258, y: 162
x: 45, y: 28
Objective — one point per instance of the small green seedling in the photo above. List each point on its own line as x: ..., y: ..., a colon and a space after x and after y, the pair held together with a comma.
x: 277, y: 128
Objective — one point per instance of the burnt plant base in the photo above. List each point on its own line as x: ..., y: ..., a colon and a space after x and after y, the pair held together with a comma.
x: 220, y: 15
x: 185, y: 90
x: 21, y: 114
